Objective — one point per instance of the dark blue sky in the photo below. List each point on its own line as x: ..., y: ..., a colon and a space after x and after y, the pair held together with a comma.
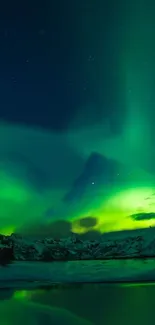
x: 58, y: 58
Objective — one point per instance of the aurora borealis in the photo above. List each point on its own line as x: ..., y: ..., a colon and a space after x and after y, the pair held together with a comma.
x: 24, y: 203
x: 106, y: 112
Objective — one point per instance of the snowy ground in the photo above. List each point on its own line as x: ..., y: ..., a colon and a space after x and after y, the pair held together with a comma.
x: 34, y: 274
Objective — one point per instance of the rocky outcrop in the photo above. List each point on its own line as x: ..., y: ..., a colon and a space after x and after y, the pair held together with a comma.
x: 6, y: 251
x: 139, y: 244
x: 6, y: 255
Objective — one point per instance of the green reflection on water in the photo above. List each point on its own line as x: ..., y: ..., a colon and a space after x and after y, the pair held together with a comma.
x: 96, y: 304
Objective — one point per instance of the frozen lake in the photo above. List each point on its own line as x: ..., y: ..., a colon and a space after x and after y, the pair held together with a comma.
x: 33, y: 274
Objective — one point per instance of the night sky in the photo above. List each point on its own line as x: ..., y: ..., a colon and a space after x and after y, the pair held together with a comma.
x: 77, y: 83
x: 58, y: 59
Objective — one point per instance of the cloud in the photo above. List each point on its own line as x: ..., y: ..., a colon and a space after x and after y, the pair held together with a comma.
x: 88, y: 222
x: 143, y: 216
x: 46, y: 153
x: 57, y: 229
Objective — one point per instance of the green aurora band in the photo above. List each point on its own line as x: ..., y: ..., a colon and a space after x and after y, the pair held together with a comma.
x: 22, y: 205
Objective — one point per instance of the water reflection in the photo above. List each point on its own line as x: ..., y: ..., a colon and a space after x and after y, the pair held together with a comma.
x: 79, y: 305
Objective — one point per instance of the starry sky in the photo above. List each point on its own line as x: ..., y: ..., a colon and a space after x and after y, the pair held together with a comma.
x: 77, y: 82
x: 53, y: 58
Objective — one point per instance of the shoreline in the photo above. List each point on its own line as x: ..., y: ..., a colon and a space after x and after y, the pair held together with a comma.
x: 43, y: 274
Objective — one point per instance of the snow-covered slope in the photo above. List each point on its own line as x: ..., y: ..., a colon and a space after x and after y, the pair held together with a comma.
x: 127, y: 244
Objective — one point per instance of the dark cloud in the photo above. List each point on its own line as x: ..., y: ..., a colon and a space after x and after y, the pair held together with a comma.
x: 143, y: 216
x: 57, y: 229
x: 98, y: 170
x: 88, y: 222
x: 46, y: 158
